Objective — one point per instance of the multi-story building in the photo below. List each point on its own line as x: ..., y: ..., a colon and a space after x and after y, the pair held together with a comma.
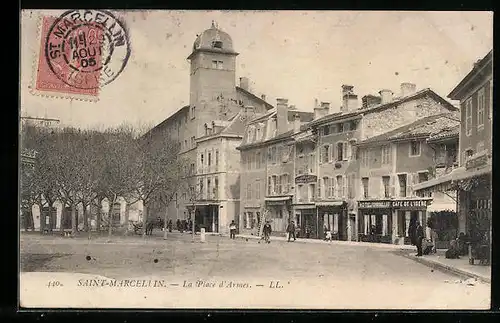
x: 209, y: 129
x: 473, y: 178
x: 389, y: 165
x: 336, y: 134
x: 267, y: 153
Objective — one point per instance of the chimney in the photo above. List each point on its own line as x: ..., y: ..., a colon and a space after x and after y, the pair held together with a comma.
x: 296, y: 123
x: 369, y: 101
x: 315, y: 103
x: 319, y: 112
x: 282, y: 115
x: 263, y: 97
x: 325, y: 106
x: 408, y: 89
x: 349, y: 99
x: 244, y: 83
x: 386, y: 96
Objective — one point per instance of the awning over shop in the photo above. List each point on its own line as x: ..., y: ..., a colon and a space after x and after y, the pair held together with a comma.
x: 304, y: 206
x: 447, y: 182
x: 438, y: 207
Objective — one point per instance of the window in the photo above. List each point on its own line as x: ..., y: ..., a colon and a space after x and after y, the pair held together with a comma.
x: 193, y: 143
x: 325, y: 154
x: 191, y: 171
x: 216, y: 188
x: 193, y: 112
x: 209, y: 188
x: 326, y: 130
x: 272, y: 154
x: 333, y: 128
x: 201, y: 159
x: 185, y: 144
x: 216, y: 159
x: 351, y: 192
x: 257, y: 136
x: 269, y: 186
x: 201, y: 187
x: 257, y: 190
x: 277, y: 185
x: 312, y: 192
x: 249, y: 191
x: 480, y: 109
x: 274, y: 183
x: 365, y: 157
x: 423, y: 177
x: 353, y: 125
x: 347, y: 126
x: 364, y: 181
x: 402, y: 185
x: 217, y: 65
x: 257, y: 161
x: 284, y: 183
x: 386, y: 155
x: 340, y: 127
x: 340, y: 186
x: 386, y: 182
x: 415, y: 148
x: 217, y: 44
x: 209, y: 159
x: 340, y: 151
x: 468, y: 117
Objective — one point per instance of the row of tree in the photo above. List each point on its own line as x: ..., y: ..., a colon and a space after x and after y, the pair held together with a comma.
x: 85, y: 167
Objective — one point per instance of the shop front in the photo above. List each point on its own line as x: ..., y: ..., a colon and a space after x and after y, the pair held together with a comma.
x: 279, y: 210
x: 306, y: 221
x: 250, y: 219
x: 333, y: 216
x: 206, y: 217
x: 388, y: 221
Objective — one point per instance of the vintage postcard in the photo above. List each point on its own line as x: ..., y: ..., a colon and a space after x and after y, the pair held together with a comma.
x: 255, y: 160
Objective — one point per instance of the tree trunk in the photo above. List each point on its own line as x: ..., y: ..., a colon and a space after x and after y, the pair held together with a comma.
x: 74, y: 220
x: 127, y: 215
x: 194, y: 220
x: 144, y: 217
x: 110, y: 215
x: 85, y: 218
x: 98, y: 215
x: 165, y: 224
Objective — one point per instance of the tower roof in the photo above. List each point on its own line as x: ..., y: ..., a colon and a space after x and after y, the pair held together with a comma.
x: 214, y: 40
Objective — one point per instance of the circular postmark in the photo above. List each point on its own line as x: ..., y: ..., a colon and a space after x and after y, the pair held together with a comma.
x: 87, y: 49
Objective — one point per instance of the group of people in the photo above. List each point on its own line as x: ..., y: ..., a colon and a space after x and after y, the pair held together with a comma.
x: 183, y: 225
x: 424, y: 245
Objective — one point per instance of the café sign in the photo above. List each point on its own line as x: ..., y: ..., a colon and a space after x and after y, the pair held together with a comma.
x: 409, y: 204
x: 303, y: 179
x: 374, y: 204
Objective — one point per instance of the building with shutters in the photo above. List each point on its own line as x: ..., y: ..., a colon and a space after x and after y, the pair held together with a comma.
x: 472, y: 179
x: 268, y: 168
x: 389, y: 165
x: 337, y: 135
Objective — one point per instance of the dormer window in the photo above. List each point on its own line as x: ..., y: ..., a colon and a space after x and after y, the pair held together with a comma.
x: 217, y: 44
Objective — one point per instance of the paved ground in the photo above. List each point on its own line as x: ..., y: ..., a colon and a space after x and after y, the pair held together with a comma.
x: 313, y: 275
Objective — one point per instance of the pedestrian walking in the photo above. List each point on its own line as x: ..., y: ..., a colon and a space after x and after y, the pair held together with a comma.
x: 179, y: 226
x: 169, y: 225
x: 419, y: 236
x: 267, y: 232
x: 434, y: 239
x: 232, y: 230
x: 291, y: 231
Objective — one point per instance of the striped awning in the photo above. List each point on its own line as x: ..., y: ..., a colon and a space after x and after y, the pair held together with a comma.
x: 438, y: 207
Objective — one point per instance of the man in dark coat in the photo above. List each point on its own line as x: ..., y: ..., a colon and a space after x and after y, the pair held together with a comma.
x: 179, y: 225
x: 419, y: 236
x: 267, y: 231
x: 291, y: 231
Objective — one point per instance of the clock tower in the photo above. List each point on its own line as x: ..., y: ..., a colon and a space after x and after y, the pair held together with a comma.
x: 212, y: 78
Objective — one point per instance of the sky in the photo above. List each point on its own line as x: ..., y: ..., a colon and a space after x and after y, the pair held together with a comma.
x: 297, y: 55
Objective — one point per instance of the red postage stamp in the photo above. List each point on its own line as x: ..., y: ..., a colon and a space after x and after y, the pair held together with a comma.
x: 80, y: 52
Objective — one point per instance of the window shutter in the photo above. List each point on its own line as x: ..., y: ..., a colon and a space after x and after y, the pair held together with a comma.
x: 344, y: 151
x: 392, y: 185
x: 409, y: 184
x: 333, y: 149
x: 345, y: 186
